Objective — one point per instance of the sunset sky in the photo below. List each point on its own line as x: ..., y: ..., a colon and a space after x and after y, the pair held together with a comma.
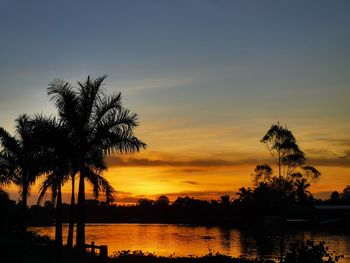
x: 207, y: 78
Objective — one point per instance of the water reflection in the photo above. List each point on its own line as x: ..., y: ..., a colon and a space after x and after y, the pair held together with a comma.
x: 181, y: 240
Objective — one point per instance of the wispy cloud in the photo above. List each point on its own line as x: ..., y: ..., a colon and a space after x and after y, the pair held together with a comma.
x: 342, y: 141
x: 195, y: 165
x: 346, y: 155
x: 190, y: 182
x: 193, y: 170
x: 343, y: 161
x: 145, y: 162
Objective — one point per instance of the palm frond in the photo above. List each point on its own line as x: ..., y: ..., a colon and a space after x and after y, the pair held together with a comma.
x: 65, y: 99
x: 106, y: 104
x: 122, y: 142
x: 8, y: 142
x: 90, y: 93
x: 47, y: 184
x: 99, y: 183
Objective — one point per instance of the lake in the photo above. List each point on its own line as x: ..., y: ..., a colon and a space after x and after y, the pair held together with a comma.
x: 183, y: 240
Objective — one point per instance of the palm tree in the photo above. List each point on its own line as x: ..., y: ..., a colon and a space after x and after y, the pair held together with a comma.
x: 54, y: 181
x: 301, y: 189
x: 54, y: 139
x: 5, y: 207
x: 55, y: 136
x: 71, y: 212
x: 57, y: 178
x: 98, y: 126
x: 21, y: 159
x: 60, y: 166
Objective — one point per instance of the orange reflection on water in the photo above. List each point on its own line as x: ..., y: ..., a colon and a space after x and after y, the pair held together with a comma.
x: 161, y: 239
x: 182, y: 240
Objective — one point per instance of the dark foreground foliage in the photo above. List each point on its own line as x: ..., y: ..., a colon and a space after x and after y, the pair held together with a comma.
x: 145, y: 257
x: 32, y: 248
x: 310, y: 252
x: 299, y: 252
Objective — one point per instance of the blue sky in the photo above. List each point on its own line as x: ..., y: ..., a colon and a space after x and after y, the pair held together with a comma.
x: 207, y: 77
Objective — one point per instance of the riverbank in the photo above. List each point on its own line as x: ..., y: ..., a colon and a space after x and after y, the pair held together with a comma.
x: 141, y: 257
x: 30, y: 247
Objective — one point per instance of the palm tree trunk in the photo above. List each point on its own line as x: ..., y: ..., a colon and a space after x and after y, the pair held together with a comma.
x: 58, y: 230
x: 81, y: 216
x: 71, y: 217
x: 24, y: 206
x: 279, y: 164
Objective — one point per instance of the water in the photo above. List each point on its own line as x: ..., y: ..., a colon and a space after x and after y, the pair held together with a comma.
x: 181, y: 240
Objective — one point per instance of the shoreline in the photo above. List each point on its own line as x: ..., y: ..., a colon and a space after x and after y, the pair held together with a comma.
x: 37, y: 248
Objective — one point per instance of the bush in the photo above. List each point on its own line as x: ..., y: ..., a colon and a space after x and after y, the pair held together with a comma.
x: 310, y: 252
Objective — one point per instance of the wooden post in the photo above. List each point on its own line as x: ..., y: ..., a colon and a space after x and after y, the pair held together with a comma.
x: 103, y: 252
x: 93, y: 248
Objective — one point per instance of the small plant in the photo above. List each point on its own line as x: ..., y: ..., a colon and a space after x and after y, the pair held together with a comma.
x: 310, y: 252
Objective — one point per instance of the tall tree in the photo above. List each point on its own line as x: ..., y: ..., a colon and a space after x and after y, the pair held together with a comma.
x: 21, y: 159
x: 283, y: 147
x: 291, y: 160
x: 54, y: 140
x: 71, y: 212
x: 54, y: 136
x: 98, y: 126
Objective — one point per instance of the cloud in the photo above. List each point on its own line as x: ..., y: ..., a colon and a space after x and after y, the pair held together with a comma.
x: 190, y: 182
x: 343, y: 161
x: 342, y: 141
x: 145, y: 162
x: 196, y: 165
x: 326, y: 157
x: 346, y: 155
x: 324, y: 152
x: 193, y: 170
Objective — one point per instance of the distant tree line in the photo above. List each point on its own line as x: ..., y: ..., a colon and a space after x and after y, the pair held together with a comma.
x: 249, y: 206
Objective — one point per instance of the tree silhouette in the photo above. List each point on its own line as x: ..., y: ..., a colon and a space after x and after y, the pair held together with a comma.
x: 61, y: 166
x: 21, y: 159
x: 98, y: 126
x: 225, y: 200
x: 301, y: 191
x: 346, y: 193
x: 283, y: 147
x: 58, y: 168
x: 290, y: 159
x: 162, y: 201
x: 262, y: 172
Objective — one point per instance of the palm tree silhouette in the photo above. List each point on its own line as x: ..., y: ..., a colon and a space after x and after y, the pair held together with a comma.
x: 55, y: 142
x: 98, y: 125
x: 301, y: 189
x: 21, y: 159
x: 61, y: 165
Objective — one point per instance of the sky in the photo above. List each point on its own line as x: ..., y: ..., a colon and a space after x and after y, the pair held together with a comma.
x: 207, y: 79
